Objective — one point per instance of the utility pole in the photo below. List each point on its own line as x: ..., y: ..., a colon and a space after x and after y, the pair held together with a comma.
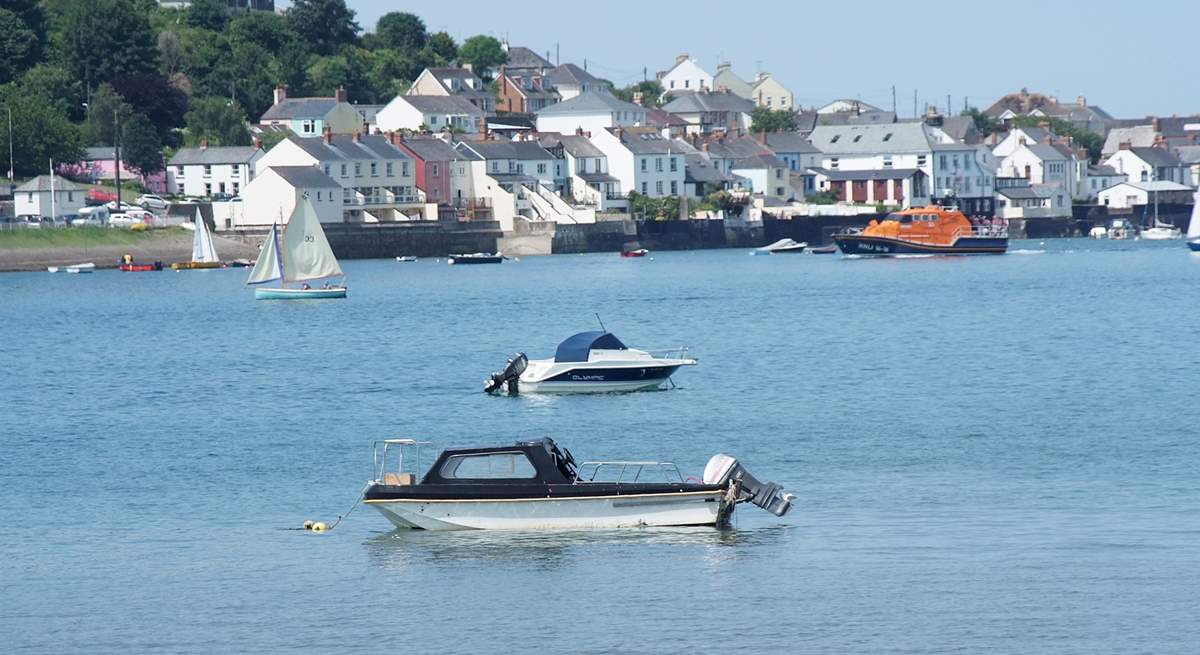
x: 11, y: 172
x: 585, y: 64
x: 948, y: 109
x: 117, y: 153
x: 556, y: 61
x: 893, y: 98
x: 915, y: 114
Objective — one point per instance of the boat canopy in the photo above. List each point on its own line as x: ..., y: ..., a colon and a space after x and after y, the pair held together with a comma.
x: 577, y: 347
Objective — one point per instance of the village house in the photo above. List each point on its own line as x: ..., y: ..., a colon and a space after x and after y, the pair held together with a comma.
x: 686, y: 75
x: 525, y: 161
x: 1007, y: 143
x: 274, y: 192
x: 703, y: 177
x: 768, y: 92
x: 643, y: 160
x: 1046, y: 164
x: 727, y: 80
x: 432, y: 113
x: 99, y: 163
x: 524, y: 61
x: 1149, y: 164
x: 308, y: 117
x: 670, y: 125
x: 569, y: 81
x: 800, y: 157
x: 1024, y: 103
x: 36, y: 198
x: 709, y: 111
x: 590, y: 112
x: 454, y: 81
x: 589, y: 181
x: 208, y: 171
x: 524, y: 94
x: 1016, y: 199
x: 748, y: 161
x: 1128, y: 195
x: 437, y: 164
x: 1099, y: 177
x: 376, y: 178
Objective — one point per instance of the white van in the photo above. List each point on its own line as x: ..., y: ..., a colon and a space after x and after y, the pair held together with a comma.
x: 92, y: 216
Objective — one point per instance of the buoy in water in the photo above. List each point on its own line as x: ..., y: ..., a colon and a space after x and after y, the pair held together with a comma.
x: 308, y: 525
x: 319, y: 527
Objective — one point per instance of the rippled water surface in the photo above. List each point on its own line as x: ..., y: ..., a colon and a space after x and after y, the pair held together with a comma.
x: 988, y: 453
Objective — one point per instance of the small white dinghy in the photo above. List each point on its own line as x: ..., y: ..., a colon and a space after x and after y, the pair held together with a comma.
x: 304, y: 256
x: 86, y: 267
x: 780, y: 247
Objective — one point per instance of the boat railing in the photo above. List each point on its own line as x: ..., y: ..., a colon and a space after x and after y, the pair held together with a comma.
x: 626, y: 472
x: 669, y: 353
x: 381, y: 472
x: 981, y: 231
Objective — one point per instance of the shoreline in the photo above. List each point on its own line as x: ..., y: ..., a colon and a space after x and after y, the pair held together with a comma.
x: 168, y: 248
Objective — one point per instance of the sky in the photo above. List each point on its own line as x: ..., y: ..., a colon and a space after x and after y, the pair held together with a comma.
x: 1131, y: 59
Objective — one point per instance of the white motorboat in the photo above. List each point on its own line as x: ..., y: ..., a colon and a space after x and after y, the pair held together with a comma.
x: 1161, y: 232
x: 86, y: 267
x: 1098, y: 232
x: 406, y: 259
x: 780, y: 247
x: 1120, y: 229
x: 535, y: 485
x: 590, y: 362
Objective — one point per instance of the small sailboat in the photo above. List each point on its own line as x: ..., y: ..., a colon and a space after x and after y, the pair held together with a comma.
x: 204, y: 253
x: 302, y: 256
x: 1193, y: 233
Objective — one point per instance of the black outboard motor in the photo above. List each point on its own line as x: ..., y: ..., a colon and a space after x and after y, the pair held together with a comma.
x: 724, y: 469
x: 509, y: 376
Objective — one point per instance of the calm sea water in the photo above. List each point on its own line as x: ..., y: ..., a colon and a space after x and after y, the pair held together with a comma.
x: 988, y: 453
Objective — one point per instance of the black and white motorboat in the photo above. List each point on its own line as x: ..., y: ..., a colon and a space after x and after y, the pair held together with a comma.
x: 590, y: 362
x: 781, y: 247
x: 476, y: 258
x: 535, y: 485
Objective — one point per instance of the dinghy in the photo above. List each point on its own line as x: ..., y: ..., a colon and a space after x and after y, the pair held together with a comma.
x: 303, y: 257
x: 204, y: 253
x: 1193, y: 233
x: 780, y: 247
x: 73, y: 268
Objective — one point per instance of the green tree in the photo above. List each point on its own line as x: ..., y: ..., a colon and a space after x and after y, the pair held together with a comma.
x: 401, y: 31
x: 389, y: 74
x: 483, y: 53
x: 218, y: 121
x: 290, y: 68
x: 154, y: 97
x: 349, y: 69
x: 18, y: 46
x: 651, y: 92
x: 207, y: 14
x: 984, y: 123
x: 324, y: 24
x: 442, y: 45
x: 141, y: 149
x: 57, y: 86
x: 772, y: 120
x: 40, y: 133
x: 270, y: 31
x: 100, y: 39
x: 105, y: 105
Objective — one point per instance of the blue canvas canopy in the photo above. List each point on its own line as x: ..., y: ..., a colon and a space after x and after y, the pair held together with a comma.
x: 577, y: 347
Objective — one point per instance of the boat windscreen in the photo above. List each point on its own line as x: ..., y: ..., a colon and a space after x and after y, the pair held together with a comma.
x: 577, y: 347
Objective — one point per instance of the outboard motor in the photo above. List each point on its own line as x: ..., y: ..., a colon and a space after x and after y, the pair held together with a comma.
x: 725, y: 469
x: 509, y: 376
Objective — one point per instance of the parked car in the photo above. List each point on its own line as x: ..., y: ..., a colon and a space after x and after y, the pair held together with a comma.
x: 151, y: 201
x: 91, y: 216
x: 112, y: 206
x: 123, y: 220
x: 30, y: 221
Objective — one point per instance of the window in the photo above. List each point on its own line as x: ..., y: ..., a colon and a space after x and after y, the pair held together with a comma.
x: 179, y: 171
x: 674, y: 164
x: 887, y: 161
x: 644, y: 168
x: 357, y: 169
x: 956, y: 161
x: 208, y: 171
x: 644, y: 191
x: 887, y: 137
x: 598, y: 167
x: 404, y: 169
x: 237, y: 168
x: 687, y: 84
x: 941, y: 161
x: 835, y: 138
x: 236, y: 188
x: 833, y: 162
x: 432, y: 120
x: 779, y: 191
x: 857, y: 138
x: 521, y: 168
x: 309, y: 126
x: 921, y: 161
x: 672, y: 84
x: 541, y: 169
x: 389, y: 169
x: 658, y: 188
x: 327, y: 169
x: 779, y: 173
x: 374, y: 169
x: 318, y: 196
x: 674, y: 188
x: 70, y: 196
x: 433, y: 170
x: 658, y: 164
x: 207, y: 189
x: 343, y: 170
x: 490, y: 466
x: 495, y: 167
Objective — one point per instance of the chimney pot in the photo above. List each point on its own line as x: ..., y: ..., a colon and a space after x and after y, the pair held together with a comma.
x: 258, y: 143
x: 762, y: 136
x: 704, y: 146
x: 579, y: 131
x: 203, y: 144
x: 280, y: 93
x: 340, y: 94
x: 327, y: 134
x: 358, y: 136
x: 1125, y: 145
x: 1081, y: 101
x: 680, y: 58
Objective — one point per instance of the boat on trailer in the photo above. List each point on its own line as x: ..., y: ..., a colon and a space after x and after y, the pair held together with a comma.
x: 590, y: 362
x: 535, y: 485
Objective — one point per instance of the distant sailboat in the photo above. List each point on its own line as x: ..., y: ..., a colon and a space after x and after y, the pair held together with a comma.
x: 1193, y: 233
x: 303, y: 256
x: 204, y: 253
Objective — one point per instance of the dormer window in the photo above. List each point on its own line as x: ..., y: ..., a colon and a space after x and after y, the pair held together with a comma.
x: 887, y: 137
x: 835, y: 138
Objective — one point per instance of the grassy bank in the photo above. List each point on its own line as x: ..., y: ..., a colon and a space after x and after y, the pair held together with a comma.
x: 83, y: 237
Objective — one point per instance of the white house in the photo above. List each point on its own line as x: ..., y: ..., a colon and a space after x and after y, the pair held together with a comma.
x: 526, y: 161
x: 1127, y: 195
x: 207, y: 171
x: 708, y: 111
x: 1019, y: 136
x: 589, y: 181
x: 34, y: 198
x: 446, y: 81
x: 769, y: 93
x: 591, y: 112
x: 685, y: 75
x: 434, y: 113
x: 570, y: 81
x: 1149, y: 164
x: 1052, y: 165
x: 643, y: 160
x: 1097, y: 179
x: 273, y: 193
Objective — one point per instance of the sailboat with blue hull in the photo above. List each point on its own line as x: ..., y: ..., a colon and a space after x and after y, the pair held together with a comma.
x: 303, y: 255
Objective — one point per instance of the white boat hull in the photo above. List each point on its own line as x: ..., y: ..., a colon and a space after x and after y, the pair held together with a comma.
x: 585, y: 513
x: 1161, y: 234
x: 591, y: 387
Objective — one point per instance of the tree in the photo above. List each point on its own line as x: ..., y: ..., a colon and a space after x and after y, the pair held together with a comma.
x: 389, y: 73
x: 208, y: 15
x: 442, y: 45
x: 270, y: 31
x: 218, y: 121
x: 651, y: 92
x: 18, y: 46
x: 40, y: 133
x: 984, y: 123
x: 325, y: 24
x: 772, y: 120
x: 483, y: 53
x: 245, y: 72
x: 141, y: 149
x: 100, y: 39
x: 154, y: 97
x: 401, y: 31
x: 56, y: 86
x: 348, y: 69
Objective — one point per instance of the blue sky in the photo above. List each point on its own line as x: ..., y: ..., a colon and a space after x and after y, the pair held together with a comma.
x: 1132, y: 59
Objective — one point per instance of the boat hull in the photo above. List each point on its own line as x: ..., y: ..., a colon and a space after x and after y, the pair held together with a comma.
x: 561, y: 513
x: 299, y: 294
x: 857, y: 244
x: 1194, y: 245
x: 601, y: 380
x: 183, y: 266
x: 470, y: 259
x: 140, y: 268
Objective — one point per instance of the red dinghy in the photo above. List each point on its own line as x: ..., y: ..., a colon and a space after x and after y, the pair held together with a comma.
x: 640, y: 252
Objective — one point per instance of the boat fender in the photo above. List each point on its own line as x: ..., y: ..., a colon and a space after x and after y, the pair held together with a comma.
x: 319, y: 527
x: 308, y: 525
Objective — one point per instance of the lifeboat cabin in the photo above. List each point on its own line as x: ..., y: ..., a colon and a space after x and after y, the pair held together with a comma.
x: 936, y: 230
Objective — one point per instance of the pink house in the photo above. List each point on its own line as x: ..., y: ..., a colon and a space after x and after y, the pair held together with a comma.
x: 433, y: 159
x: 98, y: 164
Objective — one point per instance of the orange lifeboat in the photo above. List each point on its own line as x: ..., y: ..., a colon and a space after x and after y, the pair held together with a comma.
x: 926, y: 230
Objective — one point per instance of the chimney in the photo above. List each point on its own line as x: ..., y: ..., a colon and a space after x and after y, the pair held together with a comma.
x: 680, y: 58
x: 1081, y: 101
x: 1048, y: 139
x: 579, y: 131
x: 204, y: 144
x: 704, y: 147
x: 1021, y: 140
x: 1083, y: 154
x: 327, y: 134
x: 1124, y: 145
x: 762, y: 137
x: 258, y: 143
x: 358, y: 136
x: 340, y: 94
x: 1154, y: 125
x: 280, y: 93
x: 1045, y: 125
x: 722, y: 67
x: 639, y: 98
x: 617, y: 132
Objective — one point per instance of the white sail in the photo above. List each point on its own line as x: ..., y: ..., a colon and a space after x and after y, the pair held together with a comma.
x: 203, y: 249
x: 267, y: 268
x: 1194, y: 225
x: 306, y: 251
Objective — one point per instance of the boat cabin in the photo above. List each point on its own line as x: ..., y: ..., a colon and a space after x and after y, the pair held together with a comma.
x: 933, y: 224
x: 579, y: 347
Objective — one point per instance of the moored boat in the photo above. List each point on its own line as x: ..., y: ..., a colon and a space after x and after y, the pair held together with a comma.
x: 406, y: 259
x: 86, y: 267
x: 636, y: 252
x: 1193, y: 231
x: 204, y: 253
x: 781, y: 247
x: 130, y: 266
x: 303, y: 256
x: 936, y: 229
x: 535, y: 485
x: 590, y: 362
x: 475, y: 258
x: 830, y: 249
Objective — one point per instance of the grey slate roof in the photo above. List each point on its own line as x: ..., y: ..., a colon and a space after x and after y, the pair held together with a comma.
x: 580, y: 146
x: 571, y: 74
x: 598, y: 177
x: 871, y: 139
x: 647, y: 141
x: 789, y: 142
x: 1099, y: 170
x: 850, y: 118
x: 699, y: 169
x: 452, y: 104
x: 213, y: 155
x: 304, y: 176
x: 1046, y: 152
x: 98, y: 153
x: 1157, y: 156
x: 759, y: 161
x: 1188, y: 154
x: 525, y: 150
x: 656, y: 116
x: 522, y: 57
x: 1023, y: 193
x: 959, y: 128
x: 342, y: 147
x: 42, y: 183
x: 293, y: 108
x: 589, y: 102
x: 708, y: 101
x: 432, y: 149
